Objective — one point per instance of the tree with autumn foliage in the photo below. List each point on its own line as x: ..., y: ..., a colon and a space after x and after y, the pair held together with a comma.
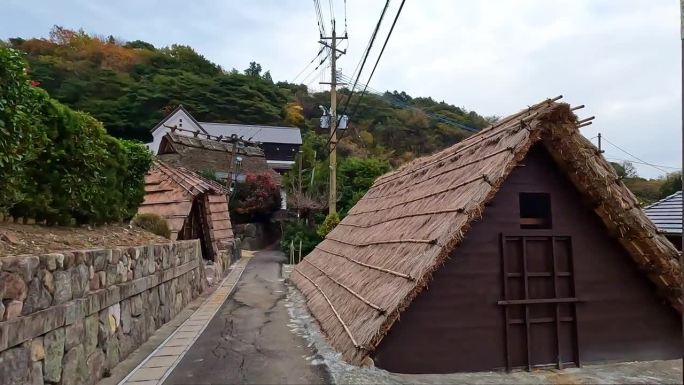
x: 257, y: 197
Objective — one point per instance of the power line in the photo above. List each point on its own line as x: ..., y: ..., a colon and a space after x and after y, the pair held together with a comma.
x: 319, y: 17
x: 361, y: 64
x: 634, y: 156
x: 345, y: 17
x: 307, y: 66
x: 647, y: 164
x: 384, y: 45
x: 332, y: 12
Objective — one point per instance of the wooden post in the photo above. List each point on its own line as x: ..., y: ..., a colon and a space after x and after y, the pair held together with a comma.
x: 300, y: 251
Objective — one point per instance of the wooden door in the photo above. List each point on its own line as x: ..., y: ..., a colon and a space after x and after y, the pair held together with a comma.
x: 540, y: 319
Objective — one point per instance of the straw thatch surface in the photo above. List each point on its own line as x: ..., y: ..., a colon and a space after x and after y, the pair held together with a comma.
x: 170, y: 193
x: 370, y: 267
x: 201, y: 154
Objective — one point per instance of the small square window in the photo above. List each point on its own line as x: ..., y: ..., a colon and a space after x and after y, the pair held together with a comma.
x: 535, y: 211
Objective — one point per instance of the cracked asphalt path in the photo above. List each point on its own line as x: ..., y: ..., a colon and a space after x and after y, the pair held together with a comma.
x: 248, y: 340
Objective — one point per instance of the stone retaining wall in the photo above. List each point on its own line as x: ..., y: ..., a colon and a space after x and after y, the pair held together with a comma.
x: 68, y: 318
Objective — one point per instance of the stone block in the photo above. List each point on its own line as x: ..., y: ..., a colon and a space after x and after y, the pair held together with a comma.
x: 37, y: 350
x: 42, y: 322
x: 12, y: 286
x: 91, y: 331
x: 3, y: 335
x: 112, y: 275
x: 94, y: 283
x: 115, y: 315
x: 93, y: 301
x: 126, y: 316
x: 15, y: 365
x: 115, y: 256
x: 12, y: 310
x: 54, y: 351
x: 38, y: 297
x: 113, y: 295
x: 100, y: 258
x: 136, y: 305
x: 24, y: 265
x: 103, y: 278
x: 48, y: 280
x: 112, y: 352
x: 80, y: 257
x: 69, y: 260
x: 36, y: 375
x: 49, y: 261
x: 62, y: 287
x: 96, y: 366
x: 75, y: 310
x: 74, y: 369
x: 79, y: 280
x: 74, y: 334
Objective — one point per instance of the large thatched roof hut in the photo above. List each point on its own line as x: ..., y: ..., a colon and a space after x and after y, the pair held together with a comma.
x: 517, y: 247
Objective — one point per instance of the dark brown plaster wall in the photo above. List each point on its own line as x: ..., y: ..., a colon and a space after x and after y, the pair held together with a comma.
x: 456, y: 325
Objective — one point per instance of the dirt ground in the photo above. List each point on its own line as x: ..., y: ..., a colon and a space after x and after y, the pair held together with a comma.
x: 18, y: 239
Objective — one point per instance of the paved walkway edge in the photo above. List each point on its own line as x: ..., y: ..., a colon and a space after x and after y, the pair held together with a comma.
x: 160, y: 363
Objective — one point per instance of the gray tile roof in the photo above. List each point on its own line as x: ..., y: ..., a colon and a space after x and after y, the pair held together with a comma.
x: 264, y: 134
x: 667, y: 214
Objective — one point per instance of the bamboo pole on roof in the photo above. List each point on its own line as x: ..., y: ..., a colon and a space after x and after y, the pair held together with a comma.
x: 339, y: 318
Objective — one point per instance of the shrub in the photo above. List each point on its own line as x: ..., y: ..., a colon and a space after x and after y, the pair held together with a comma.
x: 295, y: 231
x: 257, y: 195
x: 60, y: 165
x: 152, y: 223
x: 328, y: 224
x: 21, y: 134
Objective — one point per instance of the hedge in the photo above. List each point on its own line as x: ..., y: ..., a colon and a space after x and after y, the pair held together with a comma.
x: 63, y: 166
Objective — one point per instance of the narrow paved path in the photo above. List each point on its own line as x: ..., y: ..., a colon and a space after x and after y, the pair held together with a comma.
x: 248, y: 341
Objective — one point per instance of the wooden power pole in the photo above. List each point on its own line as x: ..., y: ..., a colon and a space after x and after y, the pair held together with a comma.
x: 332, y: 193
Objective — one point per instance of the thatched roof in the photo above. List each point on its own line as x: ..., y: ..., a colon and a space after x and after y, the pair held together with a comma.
x: 203, y: 154
x: 170, y: 193
x: 370, y: 267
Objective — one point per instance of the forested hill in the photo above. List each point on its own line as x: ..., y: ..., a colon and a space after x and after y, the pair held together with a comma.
x: 130, y: 86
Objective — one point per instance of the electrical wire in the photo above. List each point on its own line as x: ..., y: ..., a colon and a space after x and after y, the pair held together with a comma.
x: 309, y: 64
x: 634, y: 156
x: 358, y: 102
x: 345, y: 17
x: 362, y: 64
x: 647, y: 164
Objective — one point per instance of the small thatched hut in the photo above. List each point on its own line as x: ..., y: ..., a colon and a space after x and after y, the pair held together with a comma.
x: 194, y: 207
x: 201, y: 154
x: 517, y: 247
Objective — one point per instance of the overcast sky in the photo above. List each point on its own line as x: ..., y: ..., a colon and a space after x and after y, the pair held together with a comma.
x: 619, y: 58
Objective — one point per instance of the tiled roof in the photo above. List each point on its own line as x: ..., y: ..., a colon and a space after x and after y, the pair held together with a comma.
x: 667, y: 214
x: 263, y: 134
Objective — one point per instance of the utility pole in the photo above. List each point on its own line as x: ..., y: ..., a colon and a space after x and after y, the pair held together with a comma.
x: 681, y: 253
x: 599, y: 140
x: 332, y: 186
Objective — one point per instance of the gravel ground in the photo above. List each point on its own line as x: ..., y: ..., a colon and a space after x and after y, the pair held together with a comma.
x: 304, y: 325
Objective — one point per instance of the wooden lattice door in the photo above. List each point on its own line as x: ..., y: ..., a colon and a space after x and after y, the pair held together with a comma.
x: 539, y: 301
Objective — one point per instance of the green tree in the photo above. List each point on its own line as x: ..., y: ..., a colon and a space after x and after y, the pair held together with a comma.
x: 354, y: 177
x: 671, y: 184
x: 254, y: 70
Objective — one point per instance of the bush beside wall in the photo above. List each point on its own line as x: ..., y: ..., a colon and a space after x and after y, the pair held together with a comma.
x: 58, y: 165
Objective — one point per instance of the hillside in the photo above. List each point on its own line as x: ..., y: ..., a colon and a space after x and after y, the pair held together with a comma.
x: 130, y: 86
